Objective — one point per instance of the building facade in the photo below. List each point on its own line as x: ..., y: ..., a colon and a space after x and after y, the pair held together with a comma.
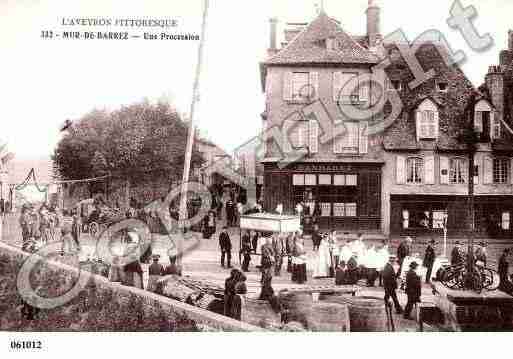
x: 337, y: 177
x: 448, y: 147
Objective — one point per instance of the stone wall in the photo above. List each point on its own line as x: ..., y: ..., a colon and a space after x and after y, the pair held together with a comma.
x: 98, y: 306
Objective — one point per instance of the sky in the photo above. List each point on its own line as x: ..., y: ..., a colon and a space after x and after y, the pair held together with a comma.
x: 44, y: 82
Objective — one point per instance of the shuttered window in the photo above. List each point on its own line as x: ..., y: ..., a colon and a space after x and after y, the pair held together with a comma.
x: 301, y: 86
x: 458, y: 171
x: 313, y: 136
x: 415, y: 170
x: 345, y: 91
x: 354, y: 140
x: 427, y: 120
x: 501, y: 170
x: 428, y: 124
x: 401, y: 170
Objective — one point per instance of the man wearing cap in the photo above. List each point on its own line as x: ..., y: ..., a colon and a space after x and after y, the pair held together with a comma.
x: 413, y: 289
x: 225, y: 245
x: 390, y: 285
x: 429, y: 259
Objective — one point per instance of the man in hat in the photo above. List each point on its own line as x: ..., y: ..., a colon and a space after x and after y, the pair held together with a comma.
x: 172, y: 268
x: 390, y: 285
x: 278, y: 246
x: 457, y: 254
x: 481, y: 255
x: 505, y: 284
x: 156, y: 271
x: 267, y: 259
x: 413, y: 289
x: 245, y: 251
x: 225, y: 244
x: 403, y: 251
x: 429, y: 260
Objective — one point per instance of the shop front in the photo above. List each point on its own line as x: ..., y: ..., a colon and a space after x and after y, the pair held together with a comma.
x: 494, y: 216
x: 426, y: 215
x: 336, y: 196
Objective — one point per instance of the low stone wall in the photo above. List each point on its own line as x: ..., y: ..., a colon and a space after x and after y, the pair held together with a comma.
x: 98, y: 306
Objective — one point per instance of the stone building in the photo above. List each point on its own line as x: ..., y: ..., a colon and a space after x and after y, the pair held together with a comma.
x: 428, y: 151
x: 340, y: 179
x: 412, y: 177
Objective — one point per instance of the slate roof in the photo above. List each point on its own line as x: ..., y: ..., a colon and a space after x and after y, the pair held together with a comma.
x: 308, y: 47
x: 453, y: 105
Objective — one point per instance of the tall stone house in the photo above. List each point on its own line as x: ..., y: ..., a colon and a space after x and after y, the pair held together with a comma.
x: 413, y: 177
x: 340, y: 180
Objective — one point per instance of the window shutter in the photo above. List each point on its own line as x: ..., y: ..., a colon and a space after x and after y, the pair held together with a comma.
x: 363, y: 137
x: 488, y: 170
x: 314, y: 136
x: 492, y: 125
x: 429, y: 170
x: 418, y: 124
x: 287, y: 86
x: 511, y: 171
x: 475, y: 171
x: 314, y: 82
x: 478, y: 121
x: 337, y: 85
x: 437, y: 124
x: 444, y: 170
x: 287, y: 136
x: 401, y: 169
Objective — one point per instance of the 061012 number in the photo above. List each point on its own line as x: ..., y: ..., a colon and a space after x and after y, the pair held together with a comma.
x: 24, y: 345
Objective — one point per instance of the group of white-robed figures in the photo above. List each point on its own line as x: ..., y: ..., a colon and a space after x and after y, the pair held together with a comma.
x: 333, y: 251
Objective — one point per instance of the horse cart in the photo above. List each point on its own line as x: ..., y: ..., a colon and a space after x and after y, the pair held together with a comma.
x: 97, y: 217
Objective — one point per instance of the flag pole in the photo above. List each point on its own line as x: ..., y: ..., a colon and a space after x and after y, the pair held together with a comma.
x: 190, y: 139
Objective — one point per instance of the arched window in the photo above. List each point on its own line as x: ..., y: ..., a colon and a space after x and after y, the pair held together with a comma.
x: 458, y: 170
x: 414, y: 170
x: 427, y: 120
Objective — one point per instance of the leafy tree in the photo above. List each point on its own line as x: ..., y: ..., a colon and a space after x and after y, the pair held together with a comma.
x: 134, y: 142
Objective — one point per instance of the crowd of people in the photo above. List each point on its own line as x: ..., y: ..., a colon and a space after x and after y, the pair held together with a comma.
x: 47, y: 224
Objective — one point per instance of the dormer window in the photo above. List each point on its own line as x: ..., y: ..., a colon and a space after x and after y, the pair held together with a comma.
x: 485, y: 122
x: 331, y: 44
x: 442, y: 86
x: 427, y: 118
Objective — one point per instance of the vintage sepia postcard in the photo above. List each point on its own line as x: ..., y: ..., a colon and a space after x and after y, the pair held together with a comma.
x: 272, y: 166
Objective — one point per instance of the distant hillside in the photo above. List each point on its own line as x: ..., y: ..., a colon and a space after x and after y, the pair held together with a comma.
x: 20, y: 167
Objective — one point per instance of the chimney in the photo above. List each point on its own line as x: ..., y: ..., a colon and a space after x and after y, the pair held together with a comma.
x: 373, y: 23
x: 506, y: 56
x: 273, y: 36
x: 495, y: 84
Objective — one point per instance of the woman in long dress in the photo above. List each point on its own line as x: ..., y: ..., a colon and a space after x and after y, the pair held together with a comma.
x: 323, y: 260
x: 299, y: 262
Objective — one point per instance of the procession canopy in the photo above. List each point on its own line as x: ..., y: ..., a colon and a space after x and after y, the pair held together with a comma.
x: 268, y: 222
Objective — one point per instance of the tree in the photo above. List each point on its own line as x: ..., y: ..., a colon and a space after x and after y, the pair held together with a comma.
x: 136, y: 141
